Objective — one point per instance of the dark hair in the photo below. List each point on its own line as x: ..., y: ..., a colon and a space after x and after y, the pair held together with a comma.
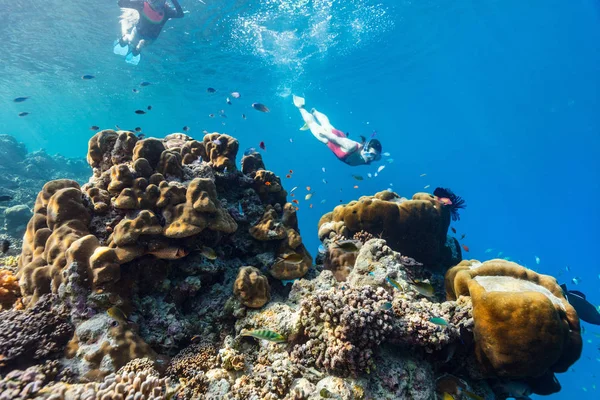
x: 374, y: 144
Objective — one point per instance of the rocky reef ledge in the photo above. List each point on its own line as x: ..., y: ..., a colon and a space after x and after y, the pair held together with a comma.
x: 171, y: 273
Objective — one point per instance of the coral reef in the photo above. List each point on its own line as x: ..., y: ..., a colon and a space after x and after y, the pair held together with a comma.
x: 9, y: 289
x: 252, y: 288
x: 167, y: 274
x: 416, y: 228
x: 34, y: 335
x: 524, y: 326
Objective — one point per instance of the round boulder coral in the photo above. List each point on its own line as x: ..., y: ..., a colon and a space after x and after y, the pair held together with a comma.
x: 252, y: 288
x: 523, y: 324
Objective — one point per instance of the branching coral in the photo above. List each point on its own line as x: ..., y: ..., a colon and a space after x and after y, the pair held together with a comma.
x: 342, y: 328
x: 33, y: 335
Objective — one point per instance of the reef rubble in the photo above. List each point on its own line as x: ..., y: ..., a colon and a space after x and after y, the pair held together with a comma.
x: 165, y: 276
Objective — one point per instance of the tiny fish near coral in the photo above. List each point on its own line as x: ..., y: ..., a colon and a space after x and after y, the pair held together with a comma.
x: 423, y: 288
x: 438, y: 321
x: 294, y: 258
x: 170, y: 253
x: 265, y: 334
x: 394, y: 283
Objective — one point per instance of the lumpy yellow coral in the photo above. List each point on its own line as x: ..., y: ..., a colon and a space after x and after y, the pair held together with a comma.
x: 524, y: 326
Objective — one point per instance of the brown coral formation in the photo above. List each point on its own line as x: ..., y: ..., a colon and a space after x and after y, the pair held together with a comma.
x: 293, y: 259
x: 524, y: 326
x: 63, y: 214
x: 416, y: 228
x: 339, y: 260
x: 9, y: 289
x: 252, y: 288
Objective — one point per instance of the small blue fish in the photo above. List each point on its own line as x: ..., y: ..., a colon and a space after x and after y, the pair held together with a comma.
x: 438, y: 321
x: 385, y: 306
x: 240, y: 209
x: 145, y: 83
x: 394, y: 283
x: 322, y: 249
x: 87, y: 77
x: 249, y: 151
x: 217, y: 142
x: 287, y: 282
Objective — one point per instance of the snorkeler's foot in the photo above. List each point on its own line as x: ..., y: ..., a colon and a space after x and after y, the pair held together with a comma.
x: 133, y: 59
x: 298, y: 101
x: 120, y: 49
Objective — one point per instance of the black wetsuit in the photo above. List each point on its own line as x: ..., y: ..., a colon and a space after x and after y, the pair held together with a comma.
x: 147, y: 28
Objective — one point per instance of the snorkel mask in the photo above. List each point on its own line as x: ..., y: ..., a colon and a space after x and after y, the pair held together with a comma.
x: 371, y: 151
x: 157, y: 4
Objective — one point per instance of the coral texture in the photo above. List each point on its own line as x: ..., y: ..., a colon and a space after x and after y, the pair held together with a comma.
x: 523, y: 324
x: 416, y: 228
x: 252, y: 288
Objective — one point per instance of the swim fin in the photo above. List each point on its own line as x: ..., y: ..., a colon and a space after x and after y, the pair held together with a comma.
x: 298, y: 101
x: 120, y: 50
x: 131, y: 59
x: 304, y: 127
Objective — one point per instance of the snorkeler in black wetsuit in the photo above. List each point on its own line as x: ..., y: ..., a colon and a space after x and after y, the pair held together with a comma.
x: 141, y: 24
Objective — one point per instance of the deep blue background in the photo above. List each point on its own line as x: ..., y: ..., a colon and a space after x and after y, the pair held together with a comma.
x: 498, y: 100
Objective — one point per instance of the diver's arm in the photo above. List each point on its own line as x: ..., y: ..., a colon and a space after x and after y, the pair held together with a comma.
x: 178, y: 12
x: 135, y: 4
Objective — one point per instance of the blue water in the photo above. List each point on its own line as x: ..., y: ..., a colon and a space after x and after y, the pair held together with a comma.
x: 498, y: 100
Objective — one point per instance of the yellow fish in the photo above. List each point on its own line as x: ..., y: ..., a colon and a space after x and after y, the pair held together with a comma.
x: 423, y: 288
x: 117, y: 313
x: 208, y: 252
x: 265, y: 334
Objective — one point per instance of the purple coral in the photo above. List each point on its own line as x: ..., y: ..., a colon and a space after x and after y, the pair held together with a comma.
x: 342, y: 328
x: 33, y: 335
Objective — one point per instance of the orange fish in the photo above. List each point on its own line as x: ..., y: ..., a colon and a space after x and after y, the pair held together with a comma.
x: 295, y: 201
x: 465, y: 247
x: 453, y: 230
x: 291, y: 172
x: 355, y: 186
x: 293, y: 195
x: 308, y: 188
x: 297, y: 208
x: 288, y: 176
x: 267, y: 183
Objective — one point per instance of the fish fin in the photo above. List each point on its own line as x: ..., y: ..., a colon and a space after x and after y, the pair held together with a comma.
x: 577, y: 293
x: 304, y: 127
x: 298, y: 101
x: 120, y: 50
x: 564, y: 287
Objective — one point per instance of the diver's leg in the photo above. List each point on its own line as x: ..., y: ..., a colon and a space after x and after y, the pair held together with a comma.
x: 315, y: 128
x: 323, y: 120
